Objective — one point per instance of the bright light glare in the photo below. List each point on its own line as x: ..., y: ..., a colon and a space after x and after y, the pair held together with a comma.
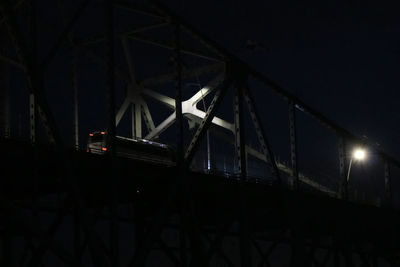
x: 359, y: 154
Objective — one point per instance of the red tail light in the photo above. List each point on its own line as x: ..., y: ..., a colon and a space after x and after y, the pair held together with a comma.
x: 87, y: 150
x: 104, y: 148
x: 91, y: 134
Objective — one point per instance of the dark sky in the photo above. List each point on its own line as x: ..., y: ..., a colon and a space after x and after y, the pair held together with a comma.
x: 341, y: 57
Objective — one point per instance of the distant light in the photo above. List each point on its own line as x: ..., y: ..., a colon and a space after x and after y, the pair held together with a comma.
x: 104, y: 148
x: 87, y: 150
x: 90, y: 134
x: 359, y: 154
x: 103, y: 132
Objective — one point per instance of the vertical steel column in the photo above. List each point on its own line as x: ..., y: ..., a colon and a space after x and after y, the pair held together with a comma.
x: 133, y: 125
x: 293, y: 145
x: 4, y: 89
x: 32, y: 118
x: 75, y: 88
x: 343, y: 185
x: 34, y: 70
x: 240, y: 145
x: 208, y: 150
x: 388, y: 185
x: 138, y: 121
x: 110, y: 93
x: 183, y: 185
x: 114, y: 229
x: 178, y: 93
x: 7, y: 113
x: 34, y: 80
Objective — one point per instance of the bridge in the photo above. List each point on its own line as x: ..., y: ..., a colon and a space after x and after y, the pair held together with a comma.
x: 235, y: 195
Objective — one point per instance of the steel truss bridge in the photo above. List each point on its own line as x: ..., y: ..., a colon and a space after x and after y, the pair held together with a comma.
x: 62, y: 206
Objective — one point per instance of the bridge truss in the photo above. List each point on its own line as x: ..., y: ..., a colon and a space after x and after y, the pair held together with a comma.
x: 176, y: 216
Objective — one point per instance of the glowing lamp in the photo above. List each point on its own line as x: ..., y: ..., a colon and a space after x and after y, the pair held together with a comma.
x: 359, y: 154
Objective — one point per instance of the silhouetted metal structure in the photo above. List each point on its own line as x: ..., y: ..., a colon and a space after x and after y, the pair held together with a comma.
x: 61, y: 206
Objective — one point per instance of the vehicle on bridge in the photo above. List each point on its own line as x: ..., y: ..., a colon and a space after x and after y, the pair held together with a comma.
x: 138, y: 149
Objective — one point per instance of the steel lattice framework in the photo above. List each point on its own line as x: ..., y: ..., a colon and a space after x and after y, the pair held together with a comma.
x: 67, y: 207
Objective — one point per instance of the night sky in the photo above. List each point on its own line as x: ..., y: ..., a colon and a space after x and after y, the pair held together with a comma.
x: 341, y: 57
